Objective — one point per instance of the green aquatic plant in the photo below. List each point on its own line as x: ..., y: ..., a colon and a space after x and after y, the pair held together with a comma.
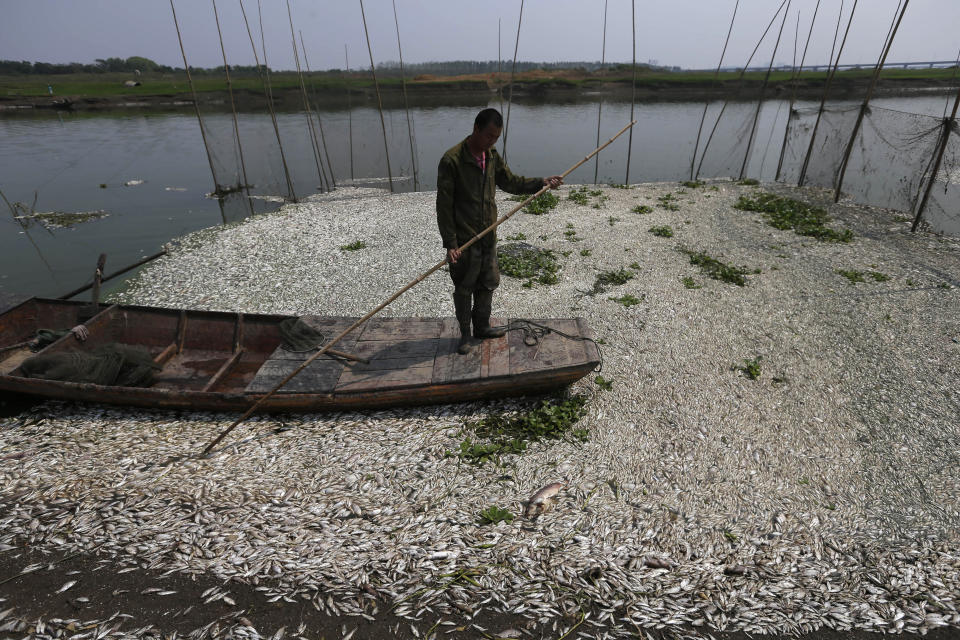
x: 528, y: 263
x: 713, y: 268
x: 668, y: 201
x: 787, y: 213
x: 542, y: 204
x: 505, y: 434
x: 494, y: 515
x: 751, y: 368
x: 605, y: 279
x: 627, y: 300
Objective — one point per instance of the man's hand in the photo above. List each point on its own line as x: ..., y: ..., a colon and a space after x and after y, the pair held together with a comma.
x: 553, y: 182
x: 80, y: 332
x: 453, y: 255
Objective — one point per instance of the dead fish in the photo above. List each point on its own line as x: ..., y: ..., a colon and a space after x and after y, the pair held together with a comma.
x: 735, y: 570
x: 657, y: 563
x: 541, y: 501
x: 66, y: 586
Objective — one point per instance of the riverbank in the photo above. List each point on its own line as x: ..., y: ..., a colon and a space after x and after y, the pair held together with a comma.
x: 171, y: 91
x: 770, y: 458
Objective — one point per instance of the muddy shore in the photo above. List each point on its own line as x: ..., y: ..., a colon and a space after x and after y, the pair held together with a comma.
x: 472, y: 92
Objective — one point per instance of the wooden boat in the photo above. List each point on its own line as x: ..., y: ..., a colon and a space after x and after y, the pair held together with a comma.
x: 227, y: 361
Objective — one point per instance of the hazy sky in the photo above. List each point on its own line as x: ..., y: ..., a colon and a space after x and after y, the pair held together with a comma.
x: 686, y: 33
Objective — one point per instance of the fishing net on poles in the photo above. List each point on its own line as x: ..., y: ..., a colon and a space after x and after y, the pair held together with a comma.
x: 832, y: 135
x: 942, y: 212
x: 890, y: 156
x: 722, y: 154
x: 890, y: 161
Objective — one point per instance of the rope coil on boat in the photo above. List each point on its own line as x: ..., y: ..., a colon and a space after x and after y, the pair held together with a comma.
x: 534, y: 332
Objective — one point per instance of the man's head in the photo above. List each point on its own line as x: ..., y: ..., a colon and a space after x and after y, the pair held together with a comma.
x: 487, y: 127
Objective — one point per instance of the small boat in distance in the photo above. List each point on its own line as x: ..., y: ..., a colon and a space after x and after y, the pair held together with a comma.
x: 208, y: 360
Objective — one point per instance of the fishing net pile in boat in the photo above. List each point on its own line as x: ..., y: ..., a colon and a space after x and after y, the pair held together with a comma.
x: 111, y: 364
x: 298, y: 336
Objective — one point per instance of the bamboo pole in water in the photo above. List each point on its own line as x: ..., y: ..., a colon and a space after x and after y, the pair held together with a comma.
x: 346, y: 57
x: 396, y: 295
x: 273, y: 113
x: 603, y: 59
x: 499, y: 68
x: 406, y: 104
x: 376, y: 85
x: 196, y: 106
x: 866, y: 101
x: 323, y: 138
x: 233, y: 104
x: 633, y: 90
x: 314, y: 141
x: 706, y: 104
x: 513, y: 71
x: 740, y: 78
x: 793, y: 93
x: 826, y: 89
x: 948, y: 125
x: 373, y: 70
x: 763, y: 87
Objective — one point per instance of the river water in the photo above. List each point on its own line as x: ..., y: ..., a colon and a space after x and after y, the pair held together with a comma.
x: 149, y: 171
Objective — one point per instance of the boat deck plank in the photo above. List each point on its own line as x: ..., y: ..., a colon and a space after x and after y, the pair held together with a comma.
x: 552, y: 351
x: 495, y: 360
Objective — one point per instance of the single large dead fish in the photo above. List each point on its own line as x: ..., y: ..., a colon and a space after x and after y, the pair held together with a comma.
x: 543, y: 500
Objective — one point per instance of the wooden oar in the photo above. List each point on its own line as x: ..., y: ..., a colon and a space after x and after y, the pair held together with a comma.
x: 396, y: 295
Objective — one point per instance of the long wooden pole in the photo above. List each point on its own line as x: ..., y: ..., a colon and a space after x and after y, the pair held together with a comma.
x: 633, y: 84
x: 793, y: 93
x: 513, y: 71
x: 273, y: 113
x: 396, y: 295
x: 866, y: 103
x: 499, y: 68
x: 826, y: 90
x: 233, y: 104
x: 603, y: 59
x: 763, y: 88
x: 314, y: 139
x: 136, y: 264
x: 706, y: 104
x: 406, y: 104
x: 346, y: 58
x: 323, y: 138
x: 948, y: 124
x: 376, y: 85
x: 196, y: 106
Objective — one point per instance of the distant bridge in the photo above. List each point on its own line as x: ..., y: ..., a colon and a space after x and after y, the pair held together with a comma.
x: 924, y: 64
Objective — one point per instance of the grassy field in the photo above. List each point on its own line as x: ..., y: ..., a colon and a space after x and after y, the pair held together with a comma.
x: 171, y: 84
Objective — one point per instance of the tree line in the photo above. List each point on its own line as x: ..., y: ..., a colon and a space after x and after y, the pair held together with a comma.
x: 146, y: 65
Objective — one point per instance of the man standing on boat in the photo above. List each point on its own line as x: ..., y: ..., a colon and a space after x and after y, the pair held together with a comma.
x: 467, y: 178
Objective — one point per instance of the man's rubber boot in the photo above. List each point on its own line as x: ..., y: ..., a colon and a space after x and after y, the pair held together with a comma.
x: 482, y: 307
x: 461, y: 304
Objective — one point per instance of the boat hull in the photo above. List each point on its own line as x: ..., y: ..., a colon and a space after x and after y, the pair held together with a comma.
x: 215, y: 361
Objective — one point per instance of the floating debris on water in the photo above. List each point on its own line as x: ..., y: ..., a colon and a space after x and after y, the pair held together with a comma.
x: 133, y: 183
x: 61, y: 219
